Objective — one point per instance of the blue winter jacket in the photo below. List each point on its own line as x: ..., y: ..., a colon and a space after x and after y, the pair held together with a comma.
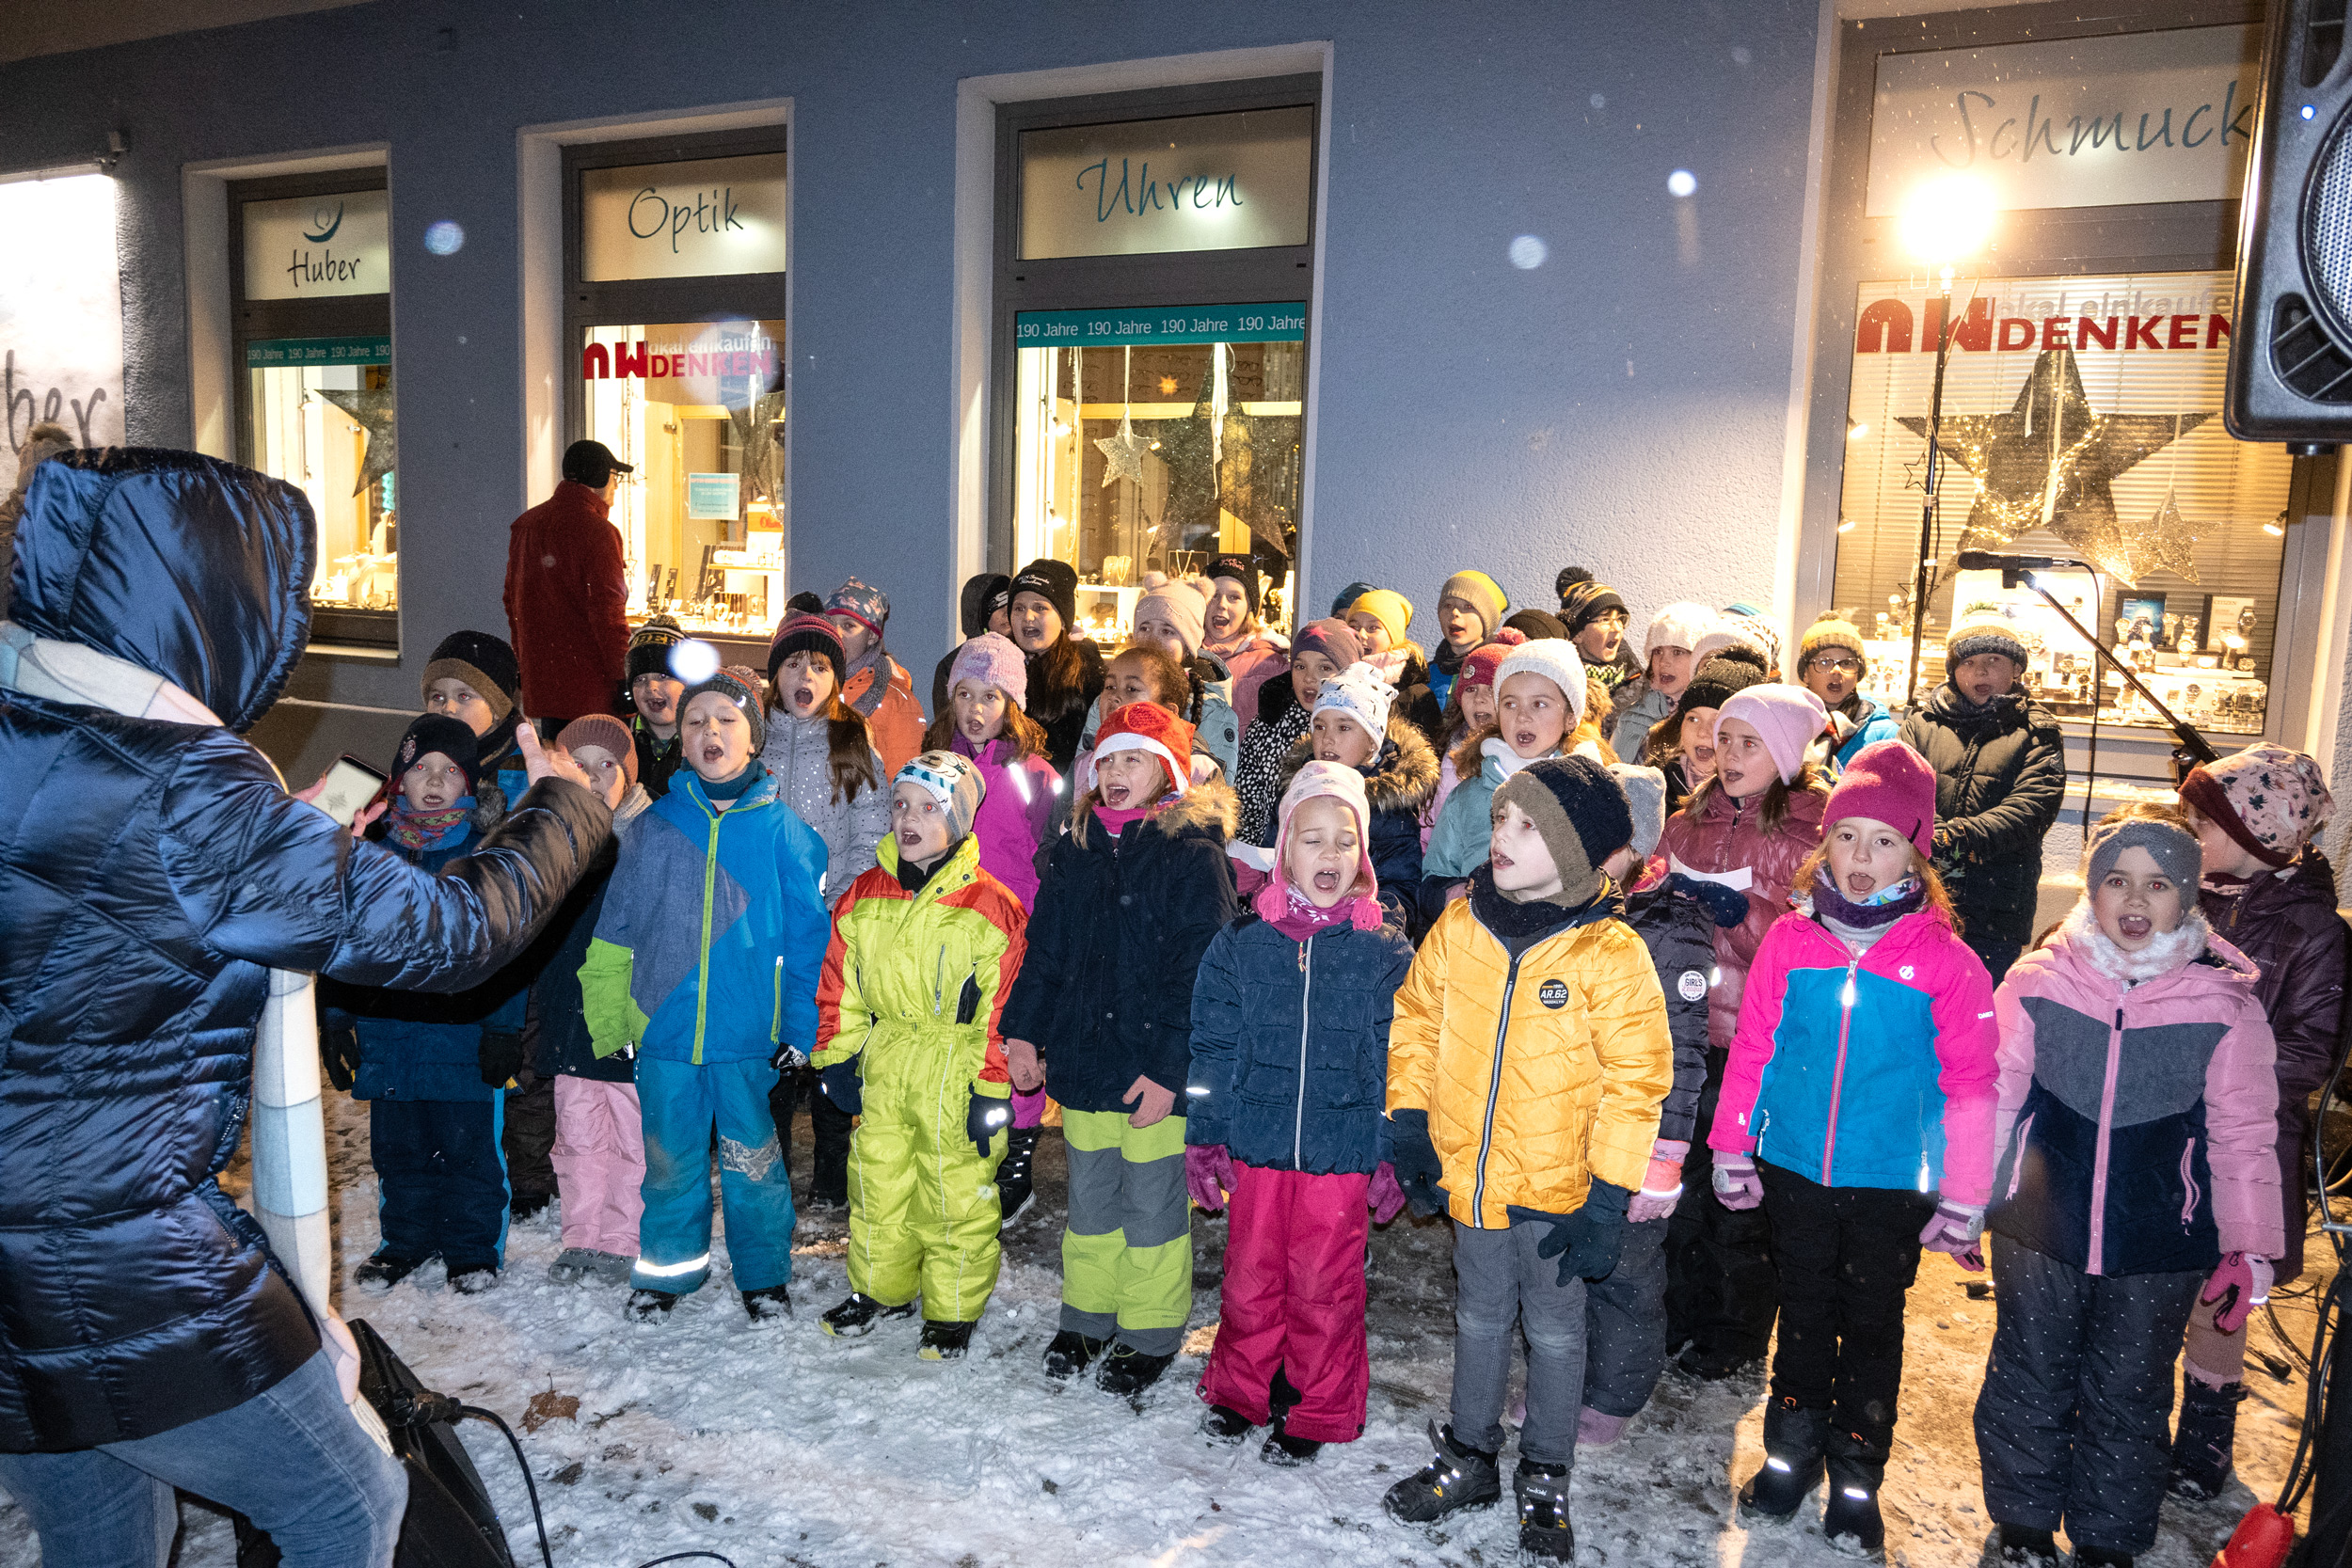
x: 714, y: 930
x: 1869, y: 725
x: 152, y: 874
x: 1289, y: 1045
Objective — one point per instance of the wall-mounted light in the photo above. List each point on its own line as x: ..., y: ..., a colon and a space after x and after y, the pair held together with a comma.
x: 1858, y: 429
x: 2277, y: 527
x: 1845, y: 525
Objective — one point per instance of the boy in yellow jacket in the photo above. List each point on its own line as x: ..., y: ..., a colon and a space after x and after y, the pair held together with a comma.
x: 1526, y: 1067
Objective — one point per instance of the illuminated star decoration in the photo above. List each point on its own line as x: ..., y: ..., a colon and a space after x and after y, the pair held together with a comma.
x: 2162, y: 542
x: 2047, y: 463
x: 372, y: 411
x: 1122, y: 453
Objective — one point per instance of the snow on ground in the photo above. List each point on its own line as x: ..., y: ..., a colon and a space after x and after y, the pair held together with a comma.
x: 780, y: 1446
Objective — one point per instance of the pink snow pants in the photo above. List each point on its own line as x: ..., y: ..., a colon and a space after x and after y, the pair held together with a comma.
x: 1293, y: 1300
x: 599, y: 1159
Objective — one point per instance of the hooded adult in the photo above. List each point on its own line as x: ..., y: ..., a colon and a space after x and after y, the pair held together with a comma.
x: 167, y: 901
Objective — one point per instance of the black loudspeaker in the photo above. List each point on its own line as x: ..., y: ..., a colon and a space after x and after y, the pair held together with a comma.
x: 449, y: 1521
x: 2290, y: 352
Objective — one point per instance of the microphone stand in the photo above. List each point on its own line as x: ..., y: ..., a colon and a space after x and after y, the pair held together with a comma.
x: 1925, y: 558
x: 2193, y: 748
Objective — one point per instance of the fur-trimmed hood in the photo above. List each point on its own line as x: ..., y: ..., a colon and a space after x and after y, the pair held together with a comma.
x: 1203, y: 808
x: 1403, y: 778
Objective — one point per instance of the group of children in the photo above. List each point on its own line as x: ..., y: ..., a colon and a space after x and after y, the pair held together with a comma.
x: 1688, y: 993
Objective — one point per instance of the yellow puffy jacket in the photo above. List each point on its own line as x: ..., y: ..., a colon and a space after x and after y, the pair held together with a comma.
x: 1536, y: 1075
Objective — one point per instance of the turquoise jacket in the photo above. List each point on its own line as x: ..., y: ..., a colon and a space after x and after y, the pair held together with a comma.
x: 712, y: 932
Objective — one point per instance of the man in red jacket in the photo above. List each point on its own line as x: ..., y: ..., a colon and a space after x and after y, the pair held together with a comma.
x: 567, y: 592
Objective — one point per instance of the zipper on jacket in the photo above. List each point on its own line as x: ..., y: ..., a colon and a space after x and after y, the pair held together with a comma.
x: 1306, y: 999
x: 1837, y: 1074
x: 2189, y: 1190
x: 2096, y: 1261
x: 702, y: 975
x: 1494, y: 1091
x: 776, y: 1028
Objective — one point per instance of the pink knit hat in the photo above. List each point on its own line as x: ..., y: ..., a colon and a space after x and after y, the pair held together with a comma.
x: 1787, y: 716
x: 1888, y: 782
x: 1179, y: 604
x: 1347, y: 785
x: 994, y: 659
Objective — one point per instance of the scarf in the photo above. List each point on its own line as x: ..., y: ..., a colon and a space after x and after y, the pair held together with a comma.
x: 2166, y: 951
x: 1883, y: 907
x: 733, y: 789
x: 1511, y: 920
x: 424, y: 830
x: 877, y: 659
x: 1116, y: 820
x: 1508, y: 762
x: 1297, y: 916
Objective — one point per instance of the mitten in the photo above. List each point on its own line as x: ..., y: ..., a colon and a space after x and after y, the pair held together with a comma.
x: 2241, y: 1284
x: 842, y: 1085
x: 1737, y: 1185
x: 499, y: 1056
x: 1954, y: 1230
x: 1414, y: 1160
x: 986, y: 1116
x: 339, y: 1050
x: 1208, y: 1175
x: 789, y: 1058
x: 1385, y: 1196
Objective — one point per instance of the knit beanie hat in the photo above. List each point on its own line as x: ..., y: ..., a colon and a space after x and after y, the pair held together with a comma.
x: 1182, y: 606
x: 649, y: 647
x: 1537, y: 626
x: 861, y: 602
x: 1645, y: 796
x: 1788, y: 718
x: 484, y: 663
x: 1582, y: 599
x: 1482, y: 594
x: 602, y: 729
x: 807, y: 634
x: 1358, y: 692
x: 2174, y: 849
x: 1756, y: 630
x: 1395, y: 611
x: 1348, y: 595
x: 994, y: 661
x: 1984, y: 629
x: 1056, y: 583
x: 954, y: 781
x: 979, y: 600
x: 1714, y: 682
x: 1888, y: 782
x: 1241, y: 570
x: 1480, y: 664
x: 805, y: 603
x: 1316, y: 779
x: 1581, y: 812
x: 1146, y: 727
x: 1335, y: 640
x: 1680, y: 624
x: 1556, y: 659
x: 741, y: 687
x: 2268, y: 798
x: 1830, y: 631
x: 453, y: 738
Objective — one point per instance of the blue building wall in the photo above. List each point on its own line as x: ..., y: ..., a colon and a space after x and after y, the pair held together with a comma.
x: 1623, y: 404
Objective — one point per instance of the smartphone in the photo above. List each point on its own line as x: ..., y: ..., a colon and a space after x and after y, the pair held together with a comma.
x: 350, y: 785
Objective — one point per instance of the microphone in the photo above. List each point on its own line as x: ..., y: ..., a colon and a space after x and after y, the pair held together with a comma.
x: 1985, y: 560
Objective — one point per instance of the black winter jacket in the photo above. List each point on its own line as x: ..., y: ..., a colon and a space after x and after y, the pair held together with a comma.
x: 1289, y: 1045
x: 1680, y: 936
x: 1115, y: 940
x: 1062, y: 714
x: 154, y: 873
x: 562, y: 1047
x: 2000, y: 777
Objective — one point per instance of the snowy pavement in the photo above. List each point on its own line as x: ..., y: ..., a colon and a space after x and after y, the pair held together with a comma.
x: 779, y: 1445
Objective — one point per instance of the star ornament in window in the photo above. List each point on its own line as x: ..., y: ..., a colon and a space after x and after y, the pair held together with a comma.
x: 2163, y: 543
x: 1122, y: 453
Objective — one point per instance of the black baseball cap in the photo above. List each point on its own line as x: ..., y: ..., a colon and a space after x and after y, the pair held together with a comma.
x: 591, y: 462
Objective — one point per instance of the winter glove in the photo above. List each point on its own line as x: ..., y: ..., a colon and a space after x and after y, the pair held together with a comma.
x: 1385, y: 1196
x: 1413, y: 1159
x: 1737, y: 1185
x: 499, y: 1056
x: 339, y: 1049
x: 988, y: 1114
x: 1208, y: 1175
x: 1587, y: 1241
x: 1955, y: 1230
x: 1662, y: 1189
x: 1728, y: 904
x: 842, y: 1085
x: 2241, y: 1284
x: 789, y: 1058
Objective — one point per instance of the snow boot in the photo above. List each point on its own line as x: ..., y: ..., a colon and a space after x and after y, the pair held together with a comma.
x: 770, y: 1306
x: 385, y: 1270
x: 1713, y: 1366
x: 1070, y: 1354
x: 571, y: 1265
x: 944, y: 1341
x: 611, y: 1268
x: 1457, y: 1479
x: 473, y: 1281
x: 1013, y: 1186
x: 2205, y: 1443
x: 1127, y: 1372
x: 1795, y: 1439
x: 529, y: 1206
x: 856, y: 1316
x: 651, y: 1307
x: 2099, y: 1557
x: 1224, y: 1425
x: 1282, y: 1448
x: 1851, y: 1522
x: 1542, y: 1491
x: 2025, y: 1547
x: 1597, y: 1428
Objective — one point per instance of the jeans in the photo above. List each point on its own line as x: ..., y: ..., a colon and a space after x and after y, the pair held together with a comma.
x: 1498, y: 1280
x: 291, y: 1459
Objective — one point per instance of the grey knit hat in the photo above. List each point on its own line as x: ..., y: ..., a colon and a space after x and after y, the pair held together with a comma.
x: 2174, y: 847
x: 1646, y: 792
x: 954, y: 782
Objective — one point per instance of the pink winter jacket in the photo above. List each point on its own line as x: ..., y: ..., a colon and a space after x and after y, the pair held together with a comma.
x: 1870, y: 1072
x: 2138, y: 1105
x: 1718, y: 837
x: 1014, y: 814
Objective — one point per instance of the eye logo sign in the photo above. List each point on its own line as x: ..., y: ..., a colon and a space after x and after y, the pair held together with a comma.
x: 326, y: 226
x: 1553, y: 994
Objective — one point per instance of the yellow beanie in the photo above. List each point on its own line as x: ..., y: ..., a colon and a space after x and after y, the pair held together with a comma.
x: 1394, y: 611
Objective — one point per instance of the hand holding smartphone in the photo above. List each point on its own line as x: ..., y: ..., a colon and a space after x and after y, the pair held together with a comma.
x: 346, y: 788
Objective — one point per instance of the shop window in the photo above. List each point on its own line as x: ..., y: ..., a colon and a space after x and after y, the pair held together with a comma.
x: 315, y: 403
x: 2081, y: 419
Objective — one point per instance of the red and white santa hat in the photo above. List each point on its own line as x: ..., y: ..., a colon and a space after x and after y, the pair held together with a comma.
x: 1146, y: 727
